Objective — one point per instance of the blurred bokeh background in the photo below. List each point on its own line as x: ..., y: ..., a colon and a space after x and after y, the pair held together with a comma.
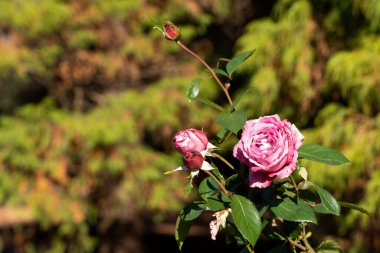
x: 91, y: 95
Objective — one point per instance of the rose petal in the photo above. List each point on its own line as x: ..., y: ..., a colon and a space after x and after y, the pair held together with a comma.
x: 259, y: 179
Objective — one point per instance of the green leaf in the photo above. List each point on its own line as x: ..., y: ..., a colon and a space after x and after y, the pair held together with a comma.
x: 182, y: 228
x: 320, y: 208
x: 328, y: 200
x: 207, y: 188
x: 220, y: 72
x: 193, y: 91
x: 322, y: 154
x: 192, y: 211
x: 288, y: 210
x: 188, y: 188
x: 232, y: 121
x: 211, y: 104
x: 235, y: 62
x: 218, y: 202
x: 221, y: 134
x: 329, y: 246
x: 354, y: 207
x: 246, y: 218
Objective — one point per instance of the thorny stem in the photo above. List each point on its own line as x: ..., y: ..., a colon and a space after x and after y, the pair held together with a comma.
x: 209, y: 68
x: 225, y: 161
x: 219, y: 183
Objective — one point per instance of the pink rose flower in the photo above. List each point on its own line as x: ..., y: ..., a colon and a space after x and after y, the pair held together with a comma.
x: 190, y: 139
x: 269, y: 147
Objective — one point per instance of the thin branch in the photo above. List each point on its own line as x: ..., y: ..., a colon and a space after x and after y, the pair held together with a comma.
x: 209, y: 68
x: 218, y: 182
x: 294, y: 243
x: 225, y: 161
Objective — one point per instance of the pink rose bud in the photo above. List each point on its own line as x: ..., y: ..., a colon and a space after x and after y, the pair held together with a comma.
x: 171, y: 31
x: 190, y: 139
x: 193, y: 160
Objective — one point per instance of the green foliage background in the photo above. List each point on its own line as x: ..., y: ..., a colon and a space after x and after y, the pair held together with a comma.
x: 110, y: 95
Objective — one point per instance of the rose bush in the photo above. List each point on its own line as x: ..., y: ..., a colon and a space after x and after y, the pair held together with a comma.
x: 268, y: 145
x: 190, y: 139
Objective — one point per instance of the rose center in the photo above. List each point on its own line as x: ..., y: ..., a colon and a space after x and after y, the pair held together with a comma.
x: 263, y: 143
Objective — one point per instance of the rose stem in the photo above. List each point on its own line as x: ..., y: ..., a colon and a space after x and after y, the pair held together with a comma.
x: 249, y: 248
x: 305, y: 241
x: 209, y: 68
x: 294, y: 243
x: 295, y: 186
x: 218, y: 182
x: 225, y: 161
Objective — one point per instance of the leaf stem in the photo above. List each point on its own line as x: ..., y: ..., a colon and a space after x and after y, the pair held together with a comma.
x: 219, y: 183
x: 210, y: 69
x: 295, y: 186
x: 225, y: 161
x: 249, y: 248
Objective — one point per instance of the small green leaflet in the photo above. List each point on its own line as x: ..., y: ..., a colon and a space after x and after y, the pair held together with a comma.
x: 220, y: 72
x: 193, y: 91
x: 235, y: 62
x: 182, y: 228
x: 288, y: 210
x: 328, y: 200
x: 232, y: 121
x: 329, y: 246
x: 246, y: 218
x: 322, y: 154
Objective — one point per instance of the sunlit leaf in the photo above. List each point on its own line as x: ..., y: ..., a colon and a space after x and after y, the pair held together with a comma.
x: 193, y: 91
x: 235, y: 62
x: 246, y: 218
x: 288, y: 210
x: 328, y: 200
x: 232, y: 121
x: 220, y: 72
x: 182, y: 228
x: 322, y: 154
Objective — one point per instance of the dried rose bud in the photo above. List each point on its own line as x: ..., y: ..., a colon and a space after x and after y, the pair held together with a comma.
x: 171, y: 31
x: 193, y: 160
